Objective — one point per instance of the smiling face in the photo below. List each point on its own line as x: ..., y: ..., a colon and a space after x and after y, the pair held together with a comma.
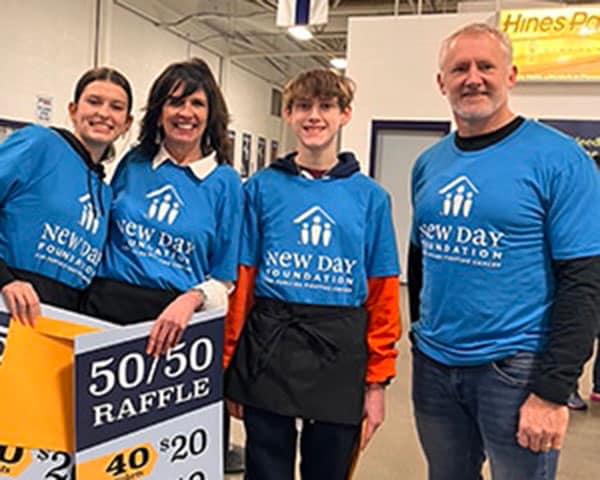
x: 100, y: 115
x: 476, y: 75
x: 316, y: 122
x: 184, y: 119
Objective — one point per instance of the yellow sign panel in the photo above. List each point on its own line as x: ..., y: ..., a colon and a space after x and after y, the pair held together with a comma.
x: 38, y: 363
x: 555, y: 44
x: 13, y: 460
x: 132, y: 463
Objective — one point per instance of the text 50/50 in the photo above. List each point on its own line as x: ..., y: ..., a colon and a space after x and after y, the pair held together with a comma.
x: 135, y: 368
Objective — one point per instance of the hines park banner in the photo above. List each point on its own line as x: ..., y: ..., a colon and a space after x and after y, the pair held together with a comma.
x: 556, y: 43
x: 81, y: 399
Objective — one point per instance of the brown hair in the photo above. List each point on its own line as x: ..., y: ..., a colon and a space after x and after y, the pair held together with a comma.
x: 193, y: 75
x: 319, y: 83
x: 107, y: 74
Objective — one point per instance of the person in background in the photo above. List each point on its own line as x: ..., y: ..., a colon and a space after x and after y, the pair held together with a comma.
x: 575, y: 402
x: 595, y: 395
x: 315, y: 316
x: 52, y: 189
x: 504, y: 274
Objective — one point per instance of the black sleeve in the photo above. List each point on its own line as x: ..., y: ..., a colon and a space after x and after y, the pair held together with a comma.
x: 415, y: 279
x: 6, y: 275
x: 574, y: 324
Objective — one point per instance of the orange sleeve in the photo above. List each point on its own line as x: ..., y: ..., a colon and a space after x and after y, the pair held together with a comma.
x: 383, y: 327
x: 240, y: 303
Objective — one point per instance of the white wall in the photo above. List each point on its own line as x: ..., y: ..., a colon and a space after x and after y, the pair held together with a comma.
x: 45, y: 46
x: 394, y: 62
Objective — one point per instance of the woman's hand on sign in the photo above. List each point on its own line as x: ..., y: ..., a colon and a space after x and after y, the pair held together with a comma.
x: 22, y: 301
x: 170, y: 324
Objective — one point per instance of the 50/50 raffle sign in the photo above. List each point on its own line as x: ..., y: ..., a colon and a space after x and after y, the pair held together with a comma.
x: 134, y: 416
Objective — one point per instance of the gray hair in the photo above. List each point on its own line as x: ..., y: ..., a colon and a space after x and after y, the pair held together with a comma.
x: 477, y: 28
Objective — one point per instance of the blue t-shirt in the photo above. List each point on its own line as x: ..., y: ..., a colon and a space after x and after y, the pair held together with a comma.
x: 53, y: 208
x: 169, y: 229
x: 317, y: 241
x: 490, y: 223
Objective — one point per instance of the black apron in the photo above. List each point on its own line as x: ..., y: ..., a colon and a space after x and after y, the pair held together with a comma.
x: 51, y: 291
x: 301, y: 360
x: 123, y: 303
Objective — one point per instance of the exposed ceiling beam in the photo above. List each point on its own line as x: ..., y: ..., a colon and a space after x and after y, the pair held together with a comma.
x: 291, y: 53
x: 156, y: 23
x: 201, y: 16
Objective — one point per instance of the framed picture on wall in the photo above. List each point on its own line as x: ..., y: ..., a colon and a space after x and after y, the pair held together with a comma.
x: 274, y: 150
x: 9, y: 126
x: 261, y: 147
x: 231, y: 136
x: 246, y: 152
x: 586, y: 132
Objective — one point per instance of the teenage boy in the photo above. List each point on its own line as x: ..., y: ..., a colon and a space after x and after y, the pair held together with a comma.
x: 317, y: 297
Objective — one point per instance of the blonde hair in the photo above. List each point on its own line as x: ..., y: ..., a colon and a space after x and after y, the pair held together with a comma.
x: 476, y: 28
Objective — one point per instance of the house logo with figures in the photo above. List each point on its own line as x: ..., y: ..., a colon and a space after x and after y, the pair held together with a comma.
x: 458, y: 197
x: 88, y: 218
x: 316, y: 227
x: 165, y: 204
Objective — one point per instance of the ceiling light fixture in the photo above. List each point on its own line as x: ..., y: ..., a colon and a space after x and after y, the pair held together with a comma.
x: 300, y: 32
x: 339, y: 63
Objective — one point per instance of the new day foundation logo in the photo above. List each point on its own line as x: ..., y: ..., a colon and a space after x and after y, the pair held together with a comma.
x: 322, y: 266
x: 165, y: 204
x: 458, y: 197
x: 315, y: 227
x: 88, y: 218
x: 455, y: 237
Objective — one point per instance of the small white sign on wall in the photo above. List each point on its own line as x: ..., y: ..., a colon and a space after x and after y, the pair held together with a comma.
x: 43, y: 109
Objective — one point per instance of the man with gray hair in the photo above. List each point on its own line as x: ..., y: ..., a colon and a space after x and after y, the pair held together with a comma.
x: 504, y: 274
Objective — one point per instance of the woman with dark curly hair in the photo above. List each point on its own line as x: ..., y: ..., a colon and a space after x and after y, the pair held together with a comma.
x: 175, y: 220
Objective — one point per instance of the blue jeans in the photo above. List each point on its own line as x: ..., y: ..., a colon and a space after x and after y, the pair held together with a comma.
x: 464, y: 413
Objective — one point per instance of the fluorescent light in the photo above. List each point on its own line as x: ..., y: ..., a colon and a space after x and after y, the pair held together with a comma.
x: 300, y: 32
x: 339, y: 63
